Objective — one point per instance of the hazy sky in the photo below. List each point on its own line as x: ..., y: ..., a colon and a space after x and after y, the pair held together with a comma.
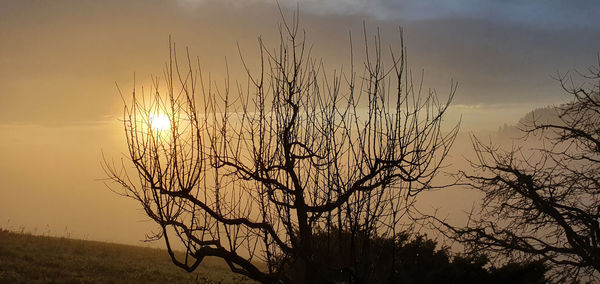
x: 60, y: 60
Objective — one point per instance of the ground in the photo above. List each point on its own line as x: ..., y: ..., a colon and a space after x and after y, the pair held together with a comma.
x: 26, y: 258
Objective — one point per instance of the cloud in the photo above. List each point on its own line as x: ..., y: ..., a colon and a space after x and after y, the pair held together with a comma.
x: 544, y: 14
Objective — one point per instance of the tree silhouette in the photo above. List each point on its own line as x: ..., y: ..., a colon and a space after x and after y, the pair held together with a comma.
x: 544, y: 203
x: 250, y: 175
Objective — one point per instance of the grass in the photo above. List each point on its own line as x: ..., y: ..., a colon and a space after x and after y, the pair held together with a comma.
x: 26, y: 258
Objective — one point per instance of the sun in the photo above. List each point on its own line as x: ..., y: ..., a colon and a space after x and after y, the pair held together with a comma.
x: 160, y: 122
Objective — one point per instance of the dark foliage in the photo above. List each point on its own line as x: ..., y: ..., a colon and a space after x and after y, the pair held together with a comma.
x: 408, y: 258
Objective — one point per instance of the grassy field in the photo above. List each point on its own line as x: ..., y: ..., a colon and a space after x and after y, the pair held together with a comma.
x: 26, y: 258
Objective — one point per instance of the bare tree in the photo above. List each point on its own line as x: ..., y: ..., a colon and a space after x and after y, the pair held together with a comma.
x: 250, y: 175
x: 544, y: 203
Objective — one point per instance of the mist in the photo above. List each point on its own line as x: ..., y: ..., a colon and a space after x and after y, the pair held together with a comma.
x: 61, y: 63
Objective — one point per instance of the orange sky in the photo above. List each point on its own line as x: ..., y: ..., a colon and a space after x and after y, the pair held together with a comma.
x: 60, y: 60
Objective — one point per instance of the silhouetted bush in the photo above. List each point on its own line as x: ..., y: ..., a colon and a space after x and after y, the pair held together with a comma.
x: 407, y: 258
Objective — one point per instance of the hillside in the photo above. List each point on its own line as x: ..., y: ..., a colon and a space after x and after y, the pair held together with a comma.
x: 542, y: 115
x: 26, y: 258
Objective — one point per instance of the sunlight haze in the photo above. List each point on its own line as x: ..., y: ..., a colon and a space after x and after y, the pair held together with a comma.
x: 61, y: 113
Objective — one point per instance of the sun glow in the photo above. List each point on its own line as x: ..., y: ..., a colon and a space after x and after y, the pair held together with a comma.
x: 160, y: 122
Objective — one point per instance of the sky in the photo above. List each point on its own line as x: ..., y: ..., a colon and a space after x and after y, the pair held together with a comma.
x: 60, y: 62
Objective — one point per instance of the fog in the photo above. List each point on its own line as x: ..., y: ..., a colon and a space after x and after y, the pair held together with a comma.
x: 60, y: 62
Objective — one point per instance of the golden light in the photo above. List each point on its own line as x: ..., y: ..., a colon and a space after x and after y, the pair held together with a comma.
x: 160, y: 122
